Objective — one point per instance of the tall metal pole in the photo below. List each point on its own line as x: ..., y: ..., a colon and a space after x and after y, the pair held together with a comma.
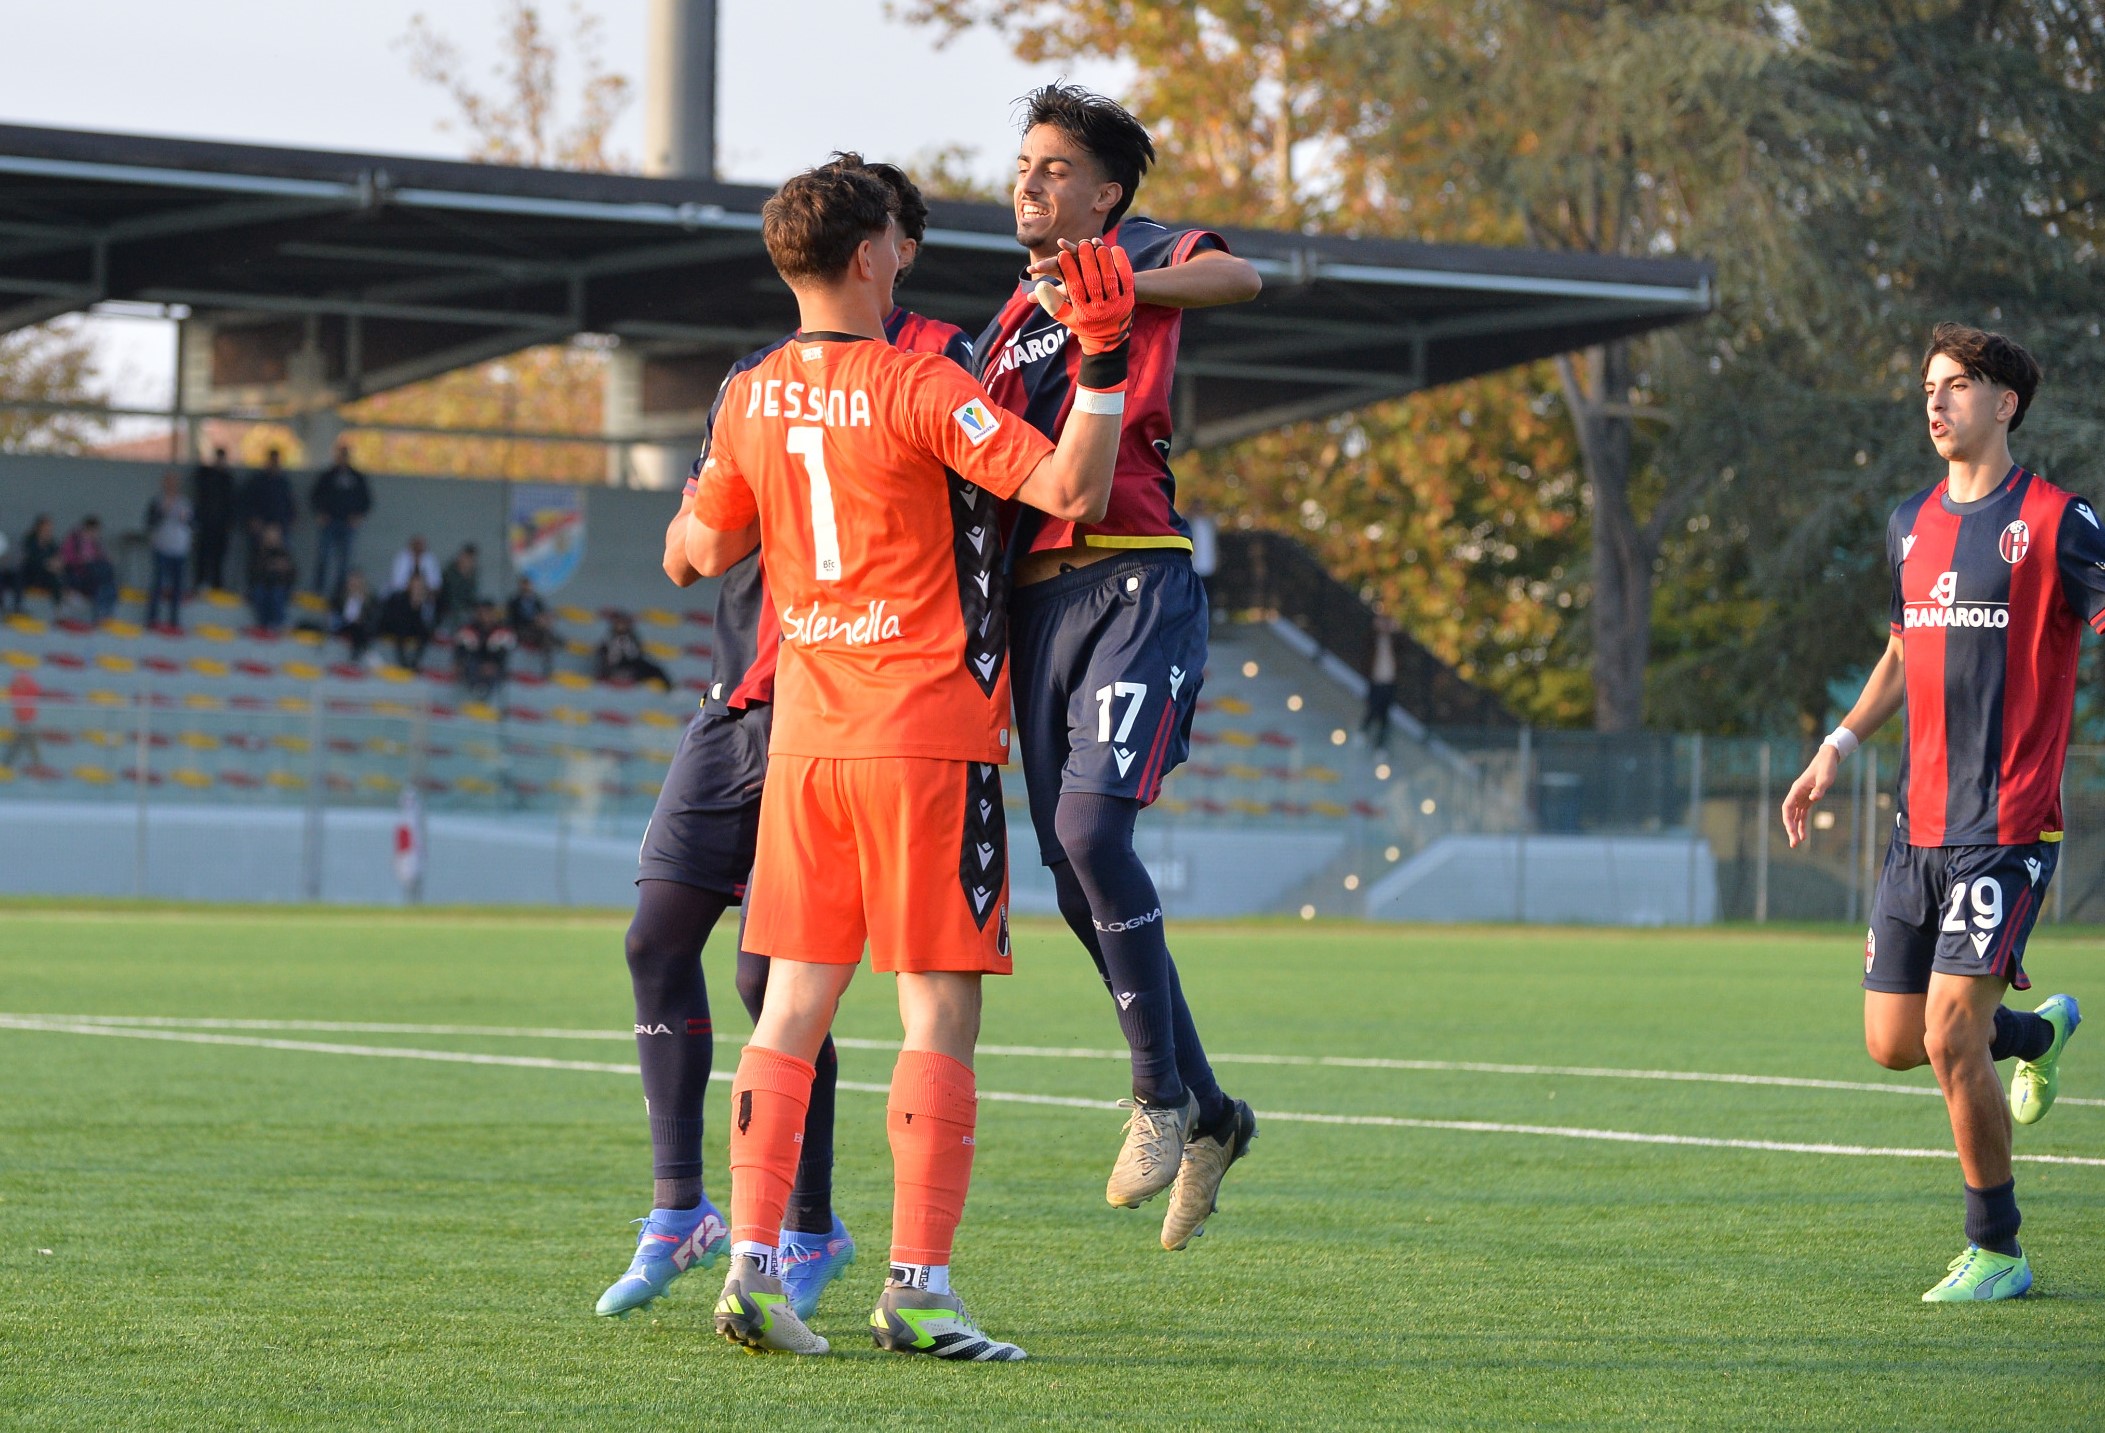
x: 1695, y: 815
x: 679, y: 91
x: 1761, y: 842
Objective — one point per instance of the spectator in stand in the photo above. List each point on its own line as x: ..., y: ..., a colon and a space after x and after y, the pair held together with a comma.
x: 460, y: 593
x: 89, y: 570
x: 169, y: 531
x: 356, y: 617
x: 266, y: 501
x: 1381, y: 684
x: 482, y: 650
x: 22, y: 694
x: 408, y: 618
x: 212, y: 506
x: 40, y: 566
x: 339, y: 500
x: 273, y: 575
x: 414, y: 560
x: 528, y: 616
x: 620, y: 656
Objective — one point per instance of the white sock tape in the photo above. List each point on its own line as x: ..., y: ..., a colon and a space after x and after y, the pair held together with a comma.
x: 1091, y: 400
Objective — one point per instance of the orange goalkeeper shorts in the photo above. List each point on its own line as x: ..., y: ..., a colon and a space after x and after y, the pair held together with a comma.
x: 909, y: 854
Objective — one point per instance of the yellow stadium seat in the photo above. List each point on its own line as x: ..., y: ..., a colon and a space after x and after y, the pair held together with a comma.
x: 478, y: 711
x: 23, y: 622
x: 286, y: 781
x: 302, y: 671
x: 1319, y: 773
x: 216, y: 598
x: 572, y: 682
x: 133, y: 596
x: 118, y: 627
x: 198, y: 740
x: 571, y: 716
x: 574, y: 614
x: 208, y: 667
x: 1248, y: 808
x: 1234, y: 706
x: 575, y: 649
x: 285, y: 741
x: 108, y: 699
x: 663, y: 651
x: 1328, y: 808
x: 7, y: 773
x: 213, y: 632
x: 185, y: 776
x: 24, y: 660
x: 93, y: 775
x: 115, y: 662
x: 658, y: 617
x: 477, y: 785
x: 397, y: 675
x: 1241, y: 771
x: 1238, y: 738
x: 374, y: 781
x: 393, y: 709
x: 307, y: 637
x: 310, y: 602
x: 199, y: 702
x: 297, y: 706
x: 651, y: 716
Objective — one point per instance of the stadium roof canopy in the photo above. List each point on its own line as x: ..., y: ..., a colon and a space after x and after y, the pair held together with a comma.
x: 392, y: 269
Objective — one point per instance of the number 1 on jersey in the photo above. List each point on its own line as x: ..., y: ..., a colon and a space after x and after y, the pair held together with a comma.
x: 809, y: 444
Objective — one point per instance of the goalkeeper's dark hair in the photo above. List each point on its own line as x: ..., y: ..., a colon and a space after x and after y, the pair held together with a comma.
x: 911, y: 210
x: 1118, y: 142
x: 814, y: 223
x: 1988, y: 357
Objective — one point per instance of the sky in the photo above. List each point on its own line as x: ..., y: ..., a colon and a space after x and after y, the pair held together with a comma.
x: 797, y: 79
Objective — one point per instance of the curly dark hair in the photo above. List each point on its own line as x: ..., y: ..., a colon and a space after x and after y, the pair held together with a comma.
x: 1118, y: 142
x: 1989, y: 357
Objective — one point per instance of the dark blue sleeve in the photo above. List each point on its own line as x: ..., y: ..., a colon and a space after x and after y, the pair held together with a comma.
x: 959, y: 350
x: 2080, y: 548
x: 1152, y: 246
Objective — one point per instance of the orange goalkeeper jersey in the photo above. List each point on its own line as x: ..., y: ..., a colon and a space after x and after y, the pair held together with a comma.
x: 876, y: 475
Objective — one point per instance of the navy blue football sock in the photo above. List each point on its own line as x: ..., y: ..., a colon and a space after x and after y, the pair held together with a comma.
x: 675, y: 1042
x: 810, y: 1208
x: 1992, y: 1217
x: 1096, y: 835
x: 1192, y: 1065
x: 2020, y: 1034
x: 1074, y: 909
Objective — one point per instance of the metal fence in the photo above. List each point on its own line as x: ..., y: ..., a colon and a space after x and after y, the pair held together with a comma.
x: 167, y: 761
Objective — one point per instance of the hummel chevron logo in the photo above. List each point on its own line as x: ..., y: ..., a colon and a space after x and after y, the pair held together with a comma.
x: 1980, y: 943
x: 979, y: 538
x: 1907, y: 545
x: 1176, y: 680
x: 986, y: 809
x: 1126, y: 998
x: 2083, y: 511
x: 2032, y: 866
x: 1125, y: 759
x: 986, y: 772
x: 968, y: 492
x: 985, y: 664
x: 981, y: 579
x: 980, y: 896
x: 986, y: 855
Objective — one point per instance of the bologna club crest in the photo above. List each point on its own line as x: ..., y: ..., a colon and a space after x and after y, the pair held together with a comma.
x: 2017, y: 541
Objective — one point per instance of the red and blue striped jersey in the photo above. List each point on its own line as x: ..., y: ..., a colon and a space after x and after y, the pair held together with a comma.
x: 1029, y: 368
x: 748, y: 633
x: 1989, y: 602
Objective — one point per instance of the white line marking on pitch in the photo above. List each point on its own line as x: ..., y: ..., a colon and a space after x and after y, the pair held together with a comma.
x: 1051, y: 1052
x: 535, y: 1062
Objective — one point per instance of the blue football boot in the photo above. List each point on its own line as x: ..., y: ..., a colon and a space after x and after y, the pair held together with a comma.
x: 673, y: 1241
x: 812, y: 1261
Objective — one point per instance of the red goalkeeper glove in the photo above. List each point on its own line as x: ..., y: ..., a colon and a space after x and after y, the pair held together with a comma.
x: 1095, y: 297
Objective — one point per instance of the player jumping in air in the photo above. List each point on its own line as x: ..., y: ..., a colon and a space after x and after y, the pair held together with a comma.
x: 1109, y: 626
x: 1995, y: 572
x: 697, y: 853
x: 870, y: 479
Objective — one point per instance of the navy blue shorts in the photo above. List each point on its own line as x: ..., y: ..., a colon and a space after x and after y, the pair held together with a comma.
x: 1958, y: 910
x: 703, y: 829
x: 1105, y: 664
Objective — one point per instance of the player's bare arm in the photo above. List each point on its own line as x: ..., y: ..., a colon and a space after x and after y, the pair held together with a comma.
x: 712, y: 553
x: 1884, y: 691
x: 677, y: 567
x: 1208, y: 279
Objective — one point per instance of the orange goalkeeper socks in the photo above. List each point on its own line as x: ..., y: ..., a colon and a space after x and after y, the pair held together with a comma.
x: 930, y: 1117
x: 768, y: 1098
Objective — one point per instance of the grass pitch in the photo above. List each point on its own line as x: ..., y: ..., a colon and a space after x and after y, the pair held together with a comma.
x: 233, y: 1235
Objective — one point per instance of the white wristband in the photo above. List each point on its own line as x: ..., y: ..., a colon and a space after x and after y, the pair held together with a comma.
x: 1094, y: 400
x: 1842, y: 739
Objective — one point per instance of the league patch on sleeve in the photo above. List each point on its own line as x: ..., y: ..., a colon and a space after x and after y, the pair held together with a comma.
x: 978, y: 422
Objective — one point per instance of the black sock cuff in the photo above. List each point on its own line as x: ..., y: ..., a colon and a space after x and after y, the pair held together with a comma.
x: 1992, y: 1217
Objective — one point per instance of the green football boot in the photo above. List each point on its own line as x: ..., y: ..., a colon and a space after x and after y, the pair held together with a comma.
x: 910, y: 1320
x: 755, y: 1314
x: 2034, y: 1083
x: 1982, y: 1274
